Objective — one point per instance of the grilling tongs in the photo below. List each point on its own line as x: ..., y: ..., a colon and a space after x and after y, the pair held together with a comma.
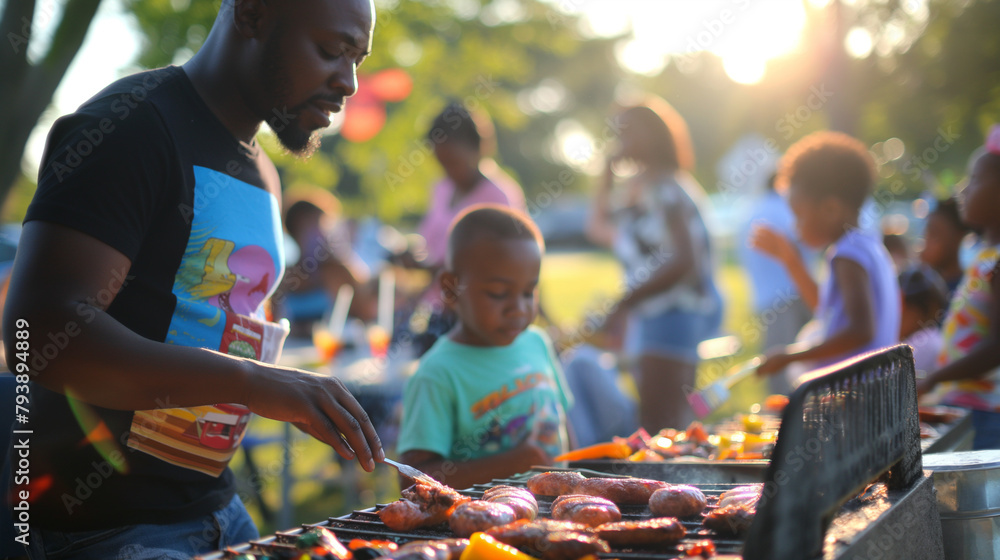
x: 415, y: 474
x: 710, y: 398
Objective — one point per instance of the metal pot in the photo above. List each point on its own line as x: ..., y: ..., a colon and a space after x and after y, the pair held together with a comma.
x: 968, y: 497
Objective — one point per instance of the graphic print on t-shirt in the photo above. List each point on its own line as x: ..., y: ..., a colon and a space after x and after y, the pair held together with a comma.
x: 540, y: 421
x: 231, y: 264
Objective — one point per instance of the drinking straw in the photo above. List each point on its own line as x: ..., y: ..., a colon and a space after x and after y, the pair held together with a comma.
x: 338, y: 319
x: 386, y: 298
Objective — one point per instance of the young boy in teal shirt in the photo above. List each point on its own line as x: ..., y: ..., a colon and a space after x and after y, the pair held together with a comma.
x: 489, y: 399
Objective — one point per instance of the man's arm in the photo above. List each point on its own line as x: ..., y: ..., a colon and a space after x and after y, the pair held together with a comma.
x: 65, y: 279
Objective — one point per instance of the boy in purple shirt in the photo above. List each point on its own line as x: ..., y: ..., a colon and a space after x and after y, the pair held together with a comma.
x: 828, y: 175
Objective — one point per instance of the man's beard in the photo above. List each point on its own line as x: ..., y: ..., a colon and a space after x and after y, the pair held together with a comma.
x: 284, y: 121
x: 298, y: 142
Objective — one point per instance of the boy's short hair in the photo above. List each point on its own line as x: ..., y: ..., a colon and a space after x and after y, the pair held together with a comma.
x: 490, y: 221
x: 829, y: 164
x: 302, y: 203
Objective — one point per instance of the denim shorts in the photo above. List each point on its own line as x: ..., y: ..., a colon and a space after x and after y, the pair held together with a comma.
x: 228, y: 526
x: 673, y: 334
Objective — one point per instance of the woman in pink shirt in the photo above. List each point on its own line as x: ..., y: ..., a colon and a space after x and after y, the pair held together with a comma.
x: 462, y: 143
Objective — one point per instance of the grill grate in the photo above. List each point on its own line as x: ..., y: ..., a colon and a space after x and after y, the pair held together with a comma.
x: 365, y: 524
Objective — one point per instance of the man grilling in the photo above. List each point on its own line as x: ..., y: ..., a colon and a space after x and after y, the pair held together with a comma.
x: 148, y: 251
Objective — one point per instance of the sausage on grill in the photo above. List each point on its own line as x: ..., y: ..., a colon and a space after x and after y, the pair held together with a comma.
x: 555, y: 483
x: 423, y: 505
x: 520, y: 500
x: 662, y: 530
x: 550, y: 539
x: 479, y: 515
x: 677, y: 501
x: 589, y: 510
x: 620, y: 490
x: 734, y: 519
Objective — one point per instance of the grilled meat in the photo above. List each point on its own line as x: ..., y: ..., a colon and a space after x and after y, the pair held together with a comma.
x: 749, y: 499
x: 434, y: 493
x: 677, y: 501
x: 589, y: 510
x: 479, y: 515
x: 549, y: 539
x: 747, y: 495
x: 662, y: 530
x: 447, y: 549
x: 620, y: 490
x: 554, y: 483
x: 527, y: 530
x: 423, y: 505
x: 520, y: 500
x: 734, y: 519
x: 404, y: 515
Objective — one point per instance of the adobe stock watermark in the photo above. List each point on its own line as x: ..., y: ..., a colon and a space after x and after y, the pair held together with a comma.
x: 45, y: 14
x: 595, y: 319
x: 752, y: 331
x: 92, y: 138
x: 86, y: 485
x: 884, y: 196
x: 710, y: 31
x: 551, y: 190
x: 918, y: 163
x: 754, y: 160
x: 56, y: 342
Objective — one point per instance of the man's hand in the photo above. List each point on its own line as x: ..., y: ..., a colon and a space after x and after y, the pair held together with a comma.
x: 319, y: 405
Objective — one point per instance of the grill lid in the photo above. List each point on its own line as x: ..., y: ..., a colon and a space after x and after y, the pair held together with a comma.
x: 844, y: 427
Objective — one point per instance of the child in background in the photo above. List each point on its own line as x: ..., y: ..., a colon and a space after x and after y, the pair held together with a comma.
x: 943, y: 235
x: 326, y: 262
x: 925, y: 298
x: 971, y: 354
x: 899, y: 250
x: 488, y: 400
x: 828, y: 175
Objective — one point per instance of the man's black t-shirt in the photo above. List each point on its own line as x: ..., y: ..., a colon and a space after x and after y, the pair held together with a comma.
x: 147, y: 168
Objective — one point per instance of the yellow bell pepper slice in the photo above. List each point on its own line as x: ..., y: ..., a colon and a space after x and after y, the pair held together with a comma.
x: 484, y: 547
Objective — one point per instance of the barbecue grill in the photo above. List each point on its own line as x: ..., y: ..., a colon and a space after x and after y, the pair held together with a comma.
x: 365, y: 524
x: 845, y: 479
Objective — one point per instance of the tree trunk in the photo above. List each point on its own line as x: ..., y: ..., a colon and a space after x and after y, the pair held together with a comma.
x: 27, y: 89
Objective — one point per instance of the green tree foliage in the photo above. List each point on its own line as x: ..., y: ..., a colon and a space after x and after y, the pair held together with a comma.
x: 940, y: 96
x: 27, y: 84
x: 482, y: 55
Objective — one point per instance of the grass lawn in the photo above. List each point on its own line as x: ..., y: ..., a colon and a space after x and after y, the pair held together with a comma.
x: 571, y: 284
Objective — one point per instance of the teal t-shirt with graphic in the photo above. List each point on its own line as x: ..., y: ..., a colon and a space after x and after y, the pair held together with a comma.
x: 468, y: 402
